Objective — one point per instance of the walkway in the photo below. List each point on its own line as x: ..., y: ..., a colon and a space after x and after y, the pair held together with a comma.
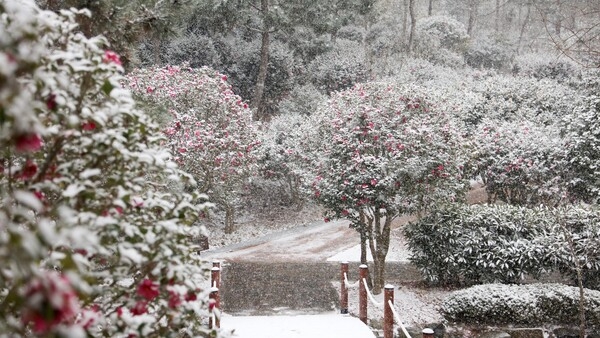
x: 330, y: 325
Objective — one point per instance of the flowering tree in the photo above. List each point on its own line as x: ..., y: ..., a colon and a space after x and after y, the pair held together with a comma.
x: 385, y: 151
x: 91, y: 241
x: 211, y: 131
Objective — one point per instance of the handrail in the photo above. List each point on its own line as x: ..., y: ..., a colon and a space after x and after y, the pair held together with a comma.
x: 371, y: 297
x: 397, y: 318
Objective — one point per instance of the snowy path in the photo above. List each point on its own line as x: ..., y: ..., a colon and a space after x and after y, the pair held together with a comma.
x: 329, y: 325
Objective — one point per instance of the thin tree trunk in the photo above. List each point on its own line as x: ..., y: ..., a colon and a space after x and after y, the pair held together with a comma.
x: 229, y: 219
x: 497, y: 17
x: 473, y: 12
x: 430, y: 8
x: 413, y: 23
x: 558, y: 18
x: 525, y: 23
x: 404, y: 20
x: 259, y: 89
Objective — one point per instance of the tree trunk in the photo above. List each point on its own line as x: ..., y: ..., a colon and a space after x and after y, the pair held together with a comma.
x: 473, y: 11
x: 259, y: 89
x: 229, y: 217
x: 413, y: 23
x: 497, y: 17
x: 379, y: 243
x: 558, y: 18
x: 404, y: 20
x: 525, y: 23
x: 430, y: 8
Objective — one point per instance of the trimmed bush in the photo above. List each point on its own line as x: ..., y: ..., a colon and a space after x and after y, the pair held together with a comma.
x: 531, y: 304
x: 502, y: 243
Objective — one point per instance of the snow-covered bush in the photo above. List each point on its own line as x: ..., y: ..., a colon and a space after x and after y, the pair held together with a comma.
x: 307, y: 45
x: 542, y: 67
x: 441, y: 39
x: 240, y: 62
x: 384, y: 151
x: 196, y: 50
x: 91, y: 241
x: 509, y: 98
x: 489, y: 243
x: 522, y: 163
x: 488, y: 52
x: 339, y: 68
x: 480, y: 243
x: 211, y: 132
x: 530, y: 304
x: 302, y: 100
x: 351, y: 32
x: 583, y: 152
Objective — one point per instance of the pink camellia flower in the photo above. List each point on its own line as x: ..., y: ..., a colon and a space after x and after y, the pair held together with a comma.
x: 373, y: 182
x: 89, y: 125
x: 148, y: 289
x: 224, y: 77
x: 110, y: 56
x: 28, y: 143
x: 49, y: 301
x: 149, y: 90
x: 327, y: 220
x: 191, y: 296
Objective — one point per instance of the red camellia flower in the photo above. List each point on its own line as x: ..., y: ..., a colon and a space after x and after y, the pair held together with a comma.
x: 51, y: 102
x: 110, y: 56
x: 174, y: 300
x: 224, y: 77
x: 28, y: 143
x: 190, y: 297
x: 50, y: 301
x: 89, y: 125
x: 29, y: 170
x: 139, y: 308
x: 148, y: 289
x: 327, y: 220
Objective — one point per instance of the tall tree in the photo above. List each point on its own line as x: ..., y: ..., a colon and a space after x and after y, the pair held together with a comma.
x: 384, y: 152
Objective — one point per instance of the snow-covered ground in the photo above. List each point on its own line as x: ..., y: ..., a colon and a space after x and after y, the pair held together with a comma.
x: 326, y: 325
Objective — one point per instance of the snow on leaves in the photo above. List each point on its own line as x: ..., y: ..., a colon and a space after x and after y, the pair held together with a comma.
x: 82, y: 183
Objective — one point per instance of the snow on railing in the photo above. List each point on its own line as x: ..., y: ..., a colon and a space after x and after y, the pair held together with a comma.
x: 371, y: 297
x: 390, y: 303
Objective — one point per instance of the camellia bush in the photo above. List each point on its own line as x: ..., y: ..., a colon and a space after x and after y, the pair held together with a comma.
x: 210, y: 132
x: 384, y: 151
x: 92, y: 243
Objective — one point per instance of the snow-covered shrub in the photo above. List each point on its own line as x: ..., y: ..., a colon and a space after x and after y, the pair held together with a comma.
x: 241, y: 60
x: 441, y: 40
x: 351, y: 32
x: 530, y: 304
x: 306, y: 44
x: 339, y: 68
x: 479, y: 243
x: 489, y: 243
x: 302, y: 100
x: 583, y: 152
x: 211, y: 133
x: 196, y: 50
x: 92, y: 243
x: 488, y: 52
x: 542, y: 67
x: 509, y: 98
x: 522, y: 163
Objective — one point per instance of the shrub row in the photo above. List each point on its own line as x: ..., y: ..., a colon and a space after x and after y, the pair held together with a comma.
x: 463, y: 244
x: 531, y: 304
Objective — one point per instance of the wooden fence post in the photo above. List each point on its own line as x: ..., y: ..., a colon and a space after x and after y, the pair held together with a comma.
x: 344, y: 289
x: 214, y: 295
x: 362, y: 292
x: 215, y: 281
x: 428, y: 333
x: 388, y: 315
